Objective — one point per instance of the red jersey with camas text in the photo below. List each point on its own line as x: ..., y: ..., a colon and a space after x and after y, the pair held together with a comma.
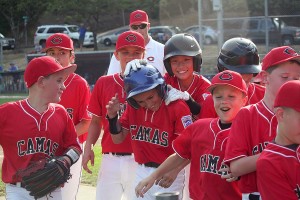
x: 204, y: 143
x: 105, y: 88
x: 152, y: 133
x: 278, y: 172
x: 255, y: 94
x: 76, y: 99
x: 27, y: 135
x: 252, y: 129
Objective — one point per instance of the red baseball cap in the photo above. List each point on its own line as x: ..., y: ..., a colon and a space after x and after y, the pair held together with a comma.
x: 138, y: 17
x: 288, y: 95
x: 59, y: 40
x: 279, y: 55
x: 130, y: 38
x: 229, y: 78
x: 44, y: 66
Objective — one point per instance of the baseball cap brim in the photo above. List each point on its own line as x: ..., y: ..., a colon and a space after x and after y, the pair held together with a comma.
x: 212, y: 87
x: 296, y: 58
x: 46, y: 49
x: 68, y: 70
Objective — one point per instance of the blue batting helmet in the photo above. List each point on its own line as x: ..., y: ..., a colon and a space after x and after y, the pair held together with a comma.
x: 142, y: 80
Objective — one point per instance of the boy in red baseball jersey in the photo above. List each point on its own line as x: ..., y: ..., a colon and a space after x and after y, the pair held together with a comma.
x: 278, y: 166
x: 239, y: 55
x: 36, y: 127
x: 150, y: 123
x: 204, y: 142
x: 115, y: 180
x: 183, y: 61
x: 255, y: 125
x: 75, y: 99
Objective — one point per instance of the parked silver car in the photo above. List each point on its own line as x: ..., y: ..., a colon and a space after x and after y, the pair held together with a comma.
x: 110, y: 37
x: 163, y: 33
x: 209, y: 35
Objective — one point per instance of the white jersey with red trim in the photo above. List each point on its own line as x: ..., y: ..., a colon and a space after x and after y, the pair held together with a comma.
x: 152, y: 133
x: 252, y: 129
x: 204, y: 143
x: 76, y: 99
x: 278, y: 174
x: 154, y: 55
x: 27, y: 135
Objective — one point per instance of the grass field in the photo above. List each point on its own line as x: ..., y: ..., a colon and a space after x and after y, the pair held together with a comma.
x: 87, y: 179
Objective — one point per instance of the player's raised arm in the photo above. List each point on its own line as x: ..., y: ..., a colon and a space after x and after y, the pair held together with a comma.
x: 117, y: 133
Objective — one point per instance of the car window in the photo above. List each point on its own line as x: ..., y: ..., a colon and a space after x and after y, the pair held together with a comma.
x: 41, y: 30
x: 56, y: 30
x: 121, y: 31
x: 253, y: 24
x: 73, y: 29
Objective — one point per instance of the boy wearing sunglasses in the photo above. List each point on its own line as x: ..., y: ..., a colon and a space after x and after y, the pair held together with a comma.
x: 154, y: 53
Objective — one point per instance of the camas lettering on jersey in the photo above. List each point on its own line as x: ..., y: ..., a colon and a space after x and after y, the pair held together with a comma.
x: 147, y: 134
x: 259, y: 148
x: 209, y: 163
x: 37, y: 145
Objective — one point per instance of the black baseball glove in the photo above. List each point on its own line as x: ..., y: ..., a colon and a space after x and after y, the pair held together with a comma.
x: 54, y: 174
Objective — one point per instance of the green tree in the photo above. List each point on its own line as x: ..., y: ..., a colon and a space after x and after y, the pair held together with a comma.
x: 14, y: 10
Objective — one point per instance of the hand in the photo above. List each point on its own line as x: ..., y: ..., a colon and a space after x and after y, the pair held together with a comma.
x: 134, y: 65
x: 168, y: 178
x: 113, y: 107
x: 88, y: 156
x: 174, y: 94
x: 227, y: 175
x: 143, y: 186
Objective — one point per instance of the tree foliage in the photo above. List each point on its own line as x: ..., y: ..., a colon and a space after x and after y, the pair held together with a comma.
x: 14, y: 10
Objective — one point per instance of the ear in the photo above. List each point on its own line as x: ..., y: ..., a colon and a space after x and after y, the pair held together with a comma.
x: 41, y: 81
x: 279, y: 113
x: 264, y: 77
x: 245, y: 100
x: 72, y: 57
x: 117, y: 55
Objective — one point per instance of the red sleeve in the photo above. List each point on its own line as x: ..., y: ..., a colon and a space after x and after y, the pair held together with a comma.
x: 84, y: 100
x: 70, y: 136
x: 182, y: 115
x: 237, y: 144
x: 182, y: 144
x: 124, y: 118
x: 95, y: 105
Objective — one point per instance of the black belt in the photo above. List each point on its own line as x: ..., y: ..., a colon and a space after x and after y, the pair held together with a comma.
x: 152, y: 164
x: 19, y: 184
x: 254, y: 197
x: 119, y: 154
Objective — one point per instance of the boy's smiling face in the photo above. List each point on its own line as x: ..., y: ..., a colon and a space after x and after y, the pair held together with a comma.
x: 128, y: 54
x: 227, y: 102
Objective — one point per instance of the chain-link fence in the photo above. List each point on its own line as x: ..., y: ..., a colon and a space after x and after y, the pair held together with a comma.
x: 268, y: 23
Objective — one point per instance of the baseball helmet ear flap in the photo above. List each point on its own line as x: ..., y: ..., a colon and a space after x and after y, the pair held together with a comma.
x: 182, y: 44
x: 142, y: 80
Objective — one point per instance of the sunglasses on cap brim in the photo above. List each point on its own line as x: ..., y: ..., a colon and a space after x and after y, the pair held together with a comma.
x: 141, y: 26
